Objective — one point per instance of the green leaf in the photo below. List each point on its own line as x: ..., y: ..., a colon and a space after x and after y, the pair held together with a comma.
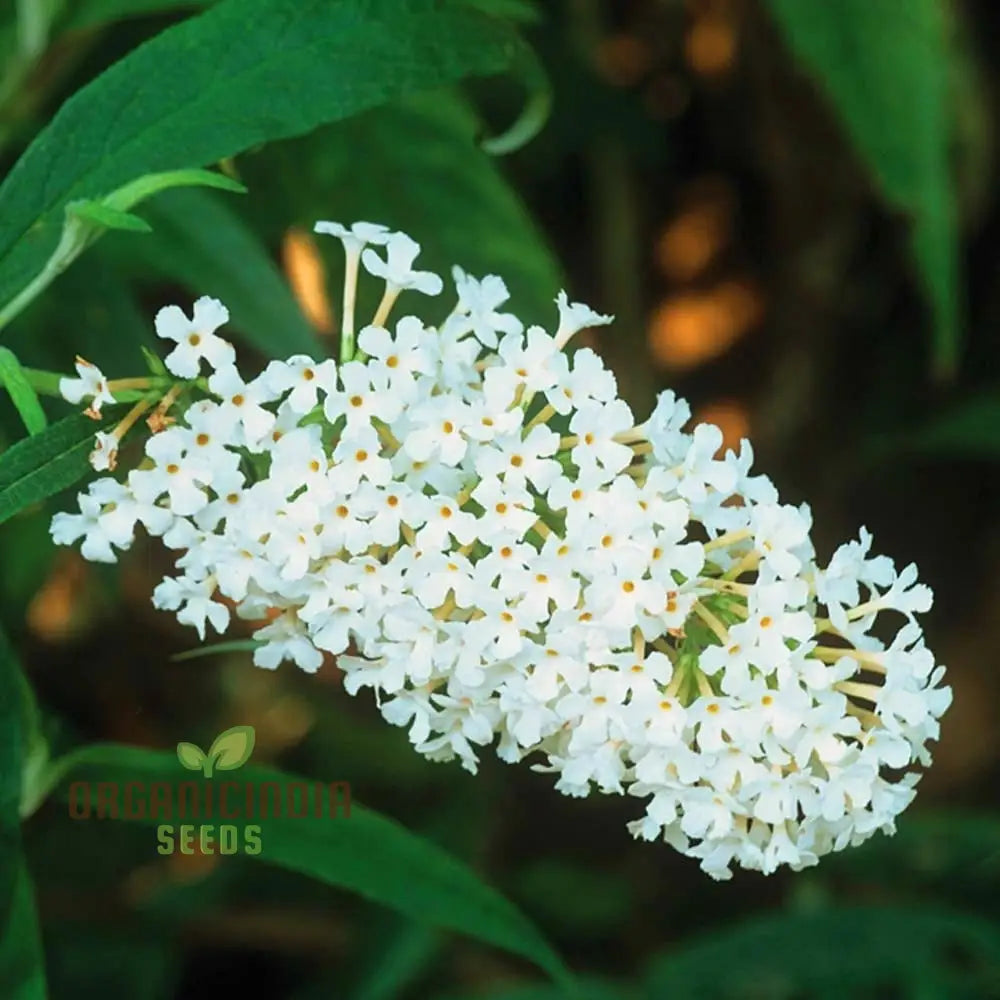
x: 90, y: 311
x: 971, y: 430
x: 191, y: 756
x: 231, y: 749
x: 39, y: 467
x: 231, y: 646
x: 862, y: 951
x: 87, y: 220
x: 12, y: 755
x: 83, y: 14
x: 885, y: 67
x: 602, y: 898
x: 154, y: 362
x: 21, y: 968
x: 149, y: 184
x: 953, y: 854
x: 589, y: 989
x: 24, y: 398
x: 535, y: 113
x: 403, y: 957
x: 243, y: 73
x: 364, y: 853
x: 201, y: 242
x: 107, y: 217
x: 424, y: 174
x: 105, y: 959
x: 523, y: 11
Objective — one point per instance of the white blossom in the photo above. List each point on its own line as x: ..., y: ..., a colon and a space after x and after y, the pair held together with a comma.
x: 90, y: 384
x: 196, y: 337
x: 617, y: 604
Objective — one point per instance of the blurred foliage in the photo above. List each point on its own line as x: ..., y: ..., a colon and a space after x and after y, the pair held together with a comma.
x: 887, y: 69
x: 774, y: 251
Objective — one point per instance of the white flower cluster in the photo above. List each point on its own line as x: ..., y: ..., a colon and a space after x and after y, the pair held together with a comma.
x: 644, y: 617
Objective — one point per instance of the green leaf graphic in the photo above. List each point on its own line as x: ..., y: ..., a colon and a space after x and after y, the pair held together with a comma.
x: 191, y: 756
x: 232, y: 748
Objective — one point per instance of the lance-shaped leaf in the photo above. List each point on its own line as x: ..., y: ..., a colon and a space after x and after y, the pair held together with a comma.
x: 243, y: 73
x: 87, y: 219
x: 21, y: 970
x: 24, y: 398
x: 107, y: 217
x: 39, y: 467
x: 364, y: 853
x: 886, y: 67
x: 856, y: 951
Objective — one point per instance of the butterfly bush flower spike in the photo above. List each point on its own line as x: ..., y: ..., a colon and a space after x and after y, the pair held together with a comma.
x: 614, y: 602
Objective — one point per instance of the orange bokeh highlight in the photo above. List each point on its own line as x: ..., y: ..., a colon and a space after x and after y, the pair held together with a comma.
x: 710, y: 44
x: 54, y: 611
x: 307, y: 276
x: 696, y: 236
x: 692, y: 328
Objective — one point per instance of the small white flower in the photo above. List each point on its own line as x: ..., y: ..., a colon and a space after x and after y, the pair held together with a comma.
x: 574, y: 317
x: 596, y: 424
x: 90, y: 525
x: 90, y: 384
x: 173, y: 475
x: 192, y: 600
x: 104, y: 457
x: 404, y: 355
x: 241, y: 403
x: 355, y: 236
x: 286, y: 639
x: 397, y: 269
x: 479, y: 301
x: 196, y: 337
x: 302, y: 379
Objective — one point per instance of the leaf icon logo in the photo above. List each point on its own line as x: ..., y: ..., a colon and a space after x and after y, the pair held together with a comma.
x: 229, y: 750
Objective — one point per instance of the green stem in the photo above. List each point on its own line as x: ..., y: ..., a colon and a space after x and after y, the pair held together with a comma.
x: 38, y: 786
x: 71, y: 245
x: 33, y: 20
x: 43, y: 382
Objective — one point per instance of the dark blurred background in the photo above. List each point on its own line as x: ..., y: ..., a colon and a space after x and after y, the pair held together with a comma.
x: 697, y: 179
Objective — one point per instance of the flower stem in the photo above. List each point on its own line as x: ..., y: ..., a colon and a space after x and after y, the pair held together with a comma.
x: 385, y: 306
x: 830, y: 654
x: 131, y: 417
x: 720, y: 630
x: 726, y: 586
x: 43, y: 382
x: 350, y: 295
x: 727, y: 539
x: 867, y: 691
x: 540, y: 417
x: 747, y: 563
